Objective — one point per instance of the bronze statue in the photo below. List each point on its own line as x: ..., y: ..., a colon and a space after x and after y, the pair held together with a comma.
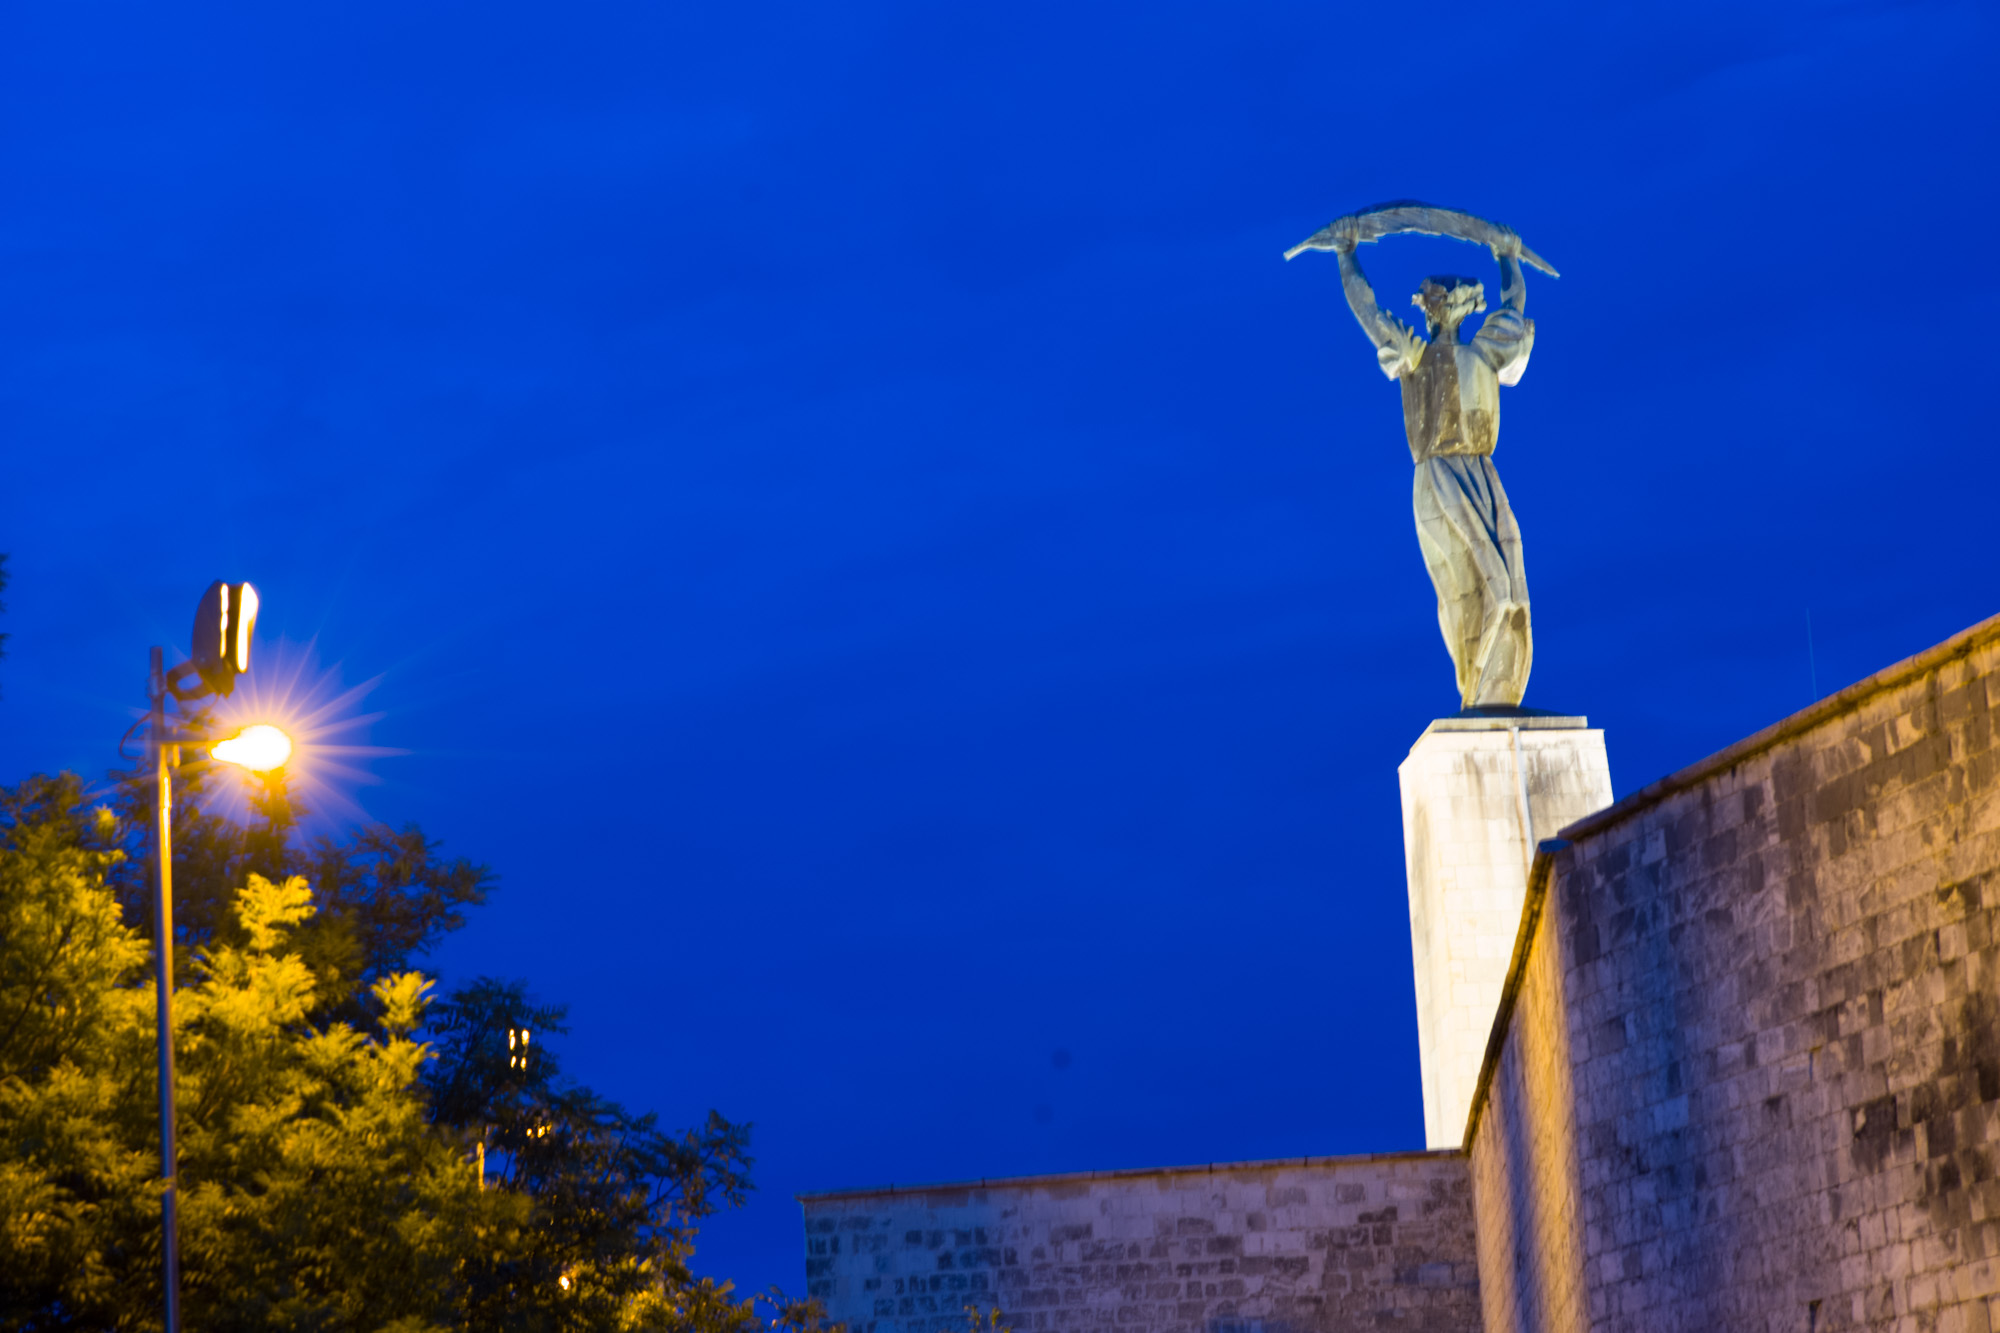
x: 1451, y: 413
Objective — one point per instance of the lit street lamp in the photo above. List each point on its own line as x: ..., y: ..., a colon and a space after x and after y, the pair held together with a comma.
x: 224, y: 620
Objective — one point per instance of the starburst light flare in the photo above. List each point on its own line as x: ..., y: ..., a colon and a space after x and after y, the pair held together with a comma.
x: 292, y: 695
x: 259, y: 747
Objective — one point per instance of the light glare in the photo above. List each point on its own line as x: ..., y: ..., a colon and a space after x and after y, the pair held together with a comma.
x: 258, y: 748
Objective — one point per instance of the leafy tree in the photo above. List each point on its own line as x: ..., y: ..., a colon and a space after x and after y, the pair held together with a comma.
x: 332, y: 1113
x: 315, y: 1193
x: 384, y: 896
x: 617, y: 1199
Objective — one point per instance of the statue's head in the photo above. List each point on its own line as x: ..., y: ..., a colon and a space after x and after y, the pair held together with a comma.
x: 1446, y: 299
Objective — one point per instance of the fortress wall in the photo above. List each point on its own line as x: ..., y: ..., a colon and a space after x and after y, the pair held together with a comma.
x: 1773, y: 984
x: 1315, y: 1245
x: 1524, y: 1164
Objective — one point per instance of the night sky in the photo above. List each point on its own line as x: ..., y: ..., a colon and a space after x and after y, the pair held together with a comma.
x: 846, y: 510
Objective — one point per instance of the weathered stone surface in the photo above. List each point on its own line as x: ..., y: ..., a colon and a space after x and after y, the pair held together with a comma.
x: 1750, y: 1076
x: 1524, y: 1160
x: 1316, y: 1245
x: 1476, y: 792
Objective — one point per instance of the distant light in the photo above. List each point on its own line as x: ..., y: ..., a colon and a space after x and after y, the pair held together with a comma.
x: 258, y: 748
x: 564, y: 1279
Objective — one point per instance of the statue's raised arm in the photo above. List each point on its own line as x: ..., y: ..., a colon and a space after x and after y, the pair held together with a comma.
x: 1397, y: 346
x: 1513, y: 283
x: 1507, y: 336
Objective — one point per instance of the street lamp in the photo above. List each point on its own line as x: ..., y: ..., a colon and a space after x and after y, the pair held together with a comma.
x: 224, y: 620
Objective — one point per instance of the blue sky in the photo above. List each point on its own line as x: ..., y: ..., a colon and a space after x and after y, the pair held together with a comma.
x: 850, y: 516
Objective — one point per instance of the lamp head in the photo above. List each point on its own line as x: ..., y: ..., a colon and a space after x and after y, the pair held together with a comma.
x: 224, y: 620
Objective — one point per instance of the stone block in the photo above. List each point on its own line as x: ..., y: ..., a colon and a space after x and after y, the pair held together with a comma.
x: 1478, y: 794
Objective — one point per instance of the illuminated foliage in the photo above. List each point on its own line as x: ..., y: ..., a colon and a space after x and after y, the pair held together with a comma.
x: 384, y: 896
x: 331, y: 1113
x: 315, y: 1193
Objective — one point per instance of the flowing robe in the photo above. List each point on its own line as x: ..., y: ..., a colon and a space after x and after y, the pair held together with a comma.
x: 1470, y: 542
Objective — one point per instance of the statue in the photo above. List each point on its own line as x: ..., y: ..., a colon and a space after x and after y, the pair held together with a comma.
x: 1451, y: 413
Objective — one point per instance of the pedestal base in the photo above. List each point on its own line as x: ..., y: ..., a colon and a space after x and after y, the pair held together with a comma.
x: 1479, y: 791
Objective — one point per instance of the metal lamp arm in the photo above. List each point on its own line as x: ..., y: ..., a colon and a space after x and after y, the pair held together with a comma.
x: 177, y: 686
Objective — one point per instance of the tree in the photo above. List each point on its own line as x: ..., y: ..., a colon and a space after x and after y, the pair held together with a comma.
x: 384, y: 896
x: 332, y: 1113
x: 617, y: 1200
x: 315, y: 1193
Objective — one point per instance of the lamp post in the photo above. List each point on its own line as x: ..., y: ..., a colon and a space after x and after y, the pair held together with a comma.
x: 224, y: 620
x: 162, y: 755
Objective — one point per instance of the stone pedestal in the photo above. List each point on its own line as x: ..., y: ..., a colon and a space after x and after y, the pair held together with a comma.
x: 1479, y: 791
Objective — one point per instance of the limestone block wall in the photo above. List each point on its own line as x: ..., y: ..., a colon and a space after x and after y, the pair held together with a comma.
x: 1311, y: 1245
x: 1525, y: 1175
x: 1769, y: 988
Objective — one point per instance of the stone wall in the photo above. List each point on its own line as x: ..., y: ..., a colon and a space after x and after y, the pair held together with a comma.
x: 1312, y: 1245
x: 1772, y: 985
x: 1524, y: 1163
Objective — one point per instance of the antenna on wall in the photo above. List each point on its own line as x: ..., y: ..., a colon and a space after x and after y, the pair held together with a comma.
x: 1812, y: 667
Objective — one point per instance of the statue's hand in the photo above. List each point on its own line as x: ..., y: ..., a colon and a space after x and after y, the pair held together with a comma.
x: 1508, y: 246
x: 1346, y: 234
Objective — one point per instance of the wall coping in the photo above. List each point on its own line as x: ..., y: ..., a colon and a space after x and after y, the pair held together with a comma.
x: 1132, y: 1173
x: 1849, y: 700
